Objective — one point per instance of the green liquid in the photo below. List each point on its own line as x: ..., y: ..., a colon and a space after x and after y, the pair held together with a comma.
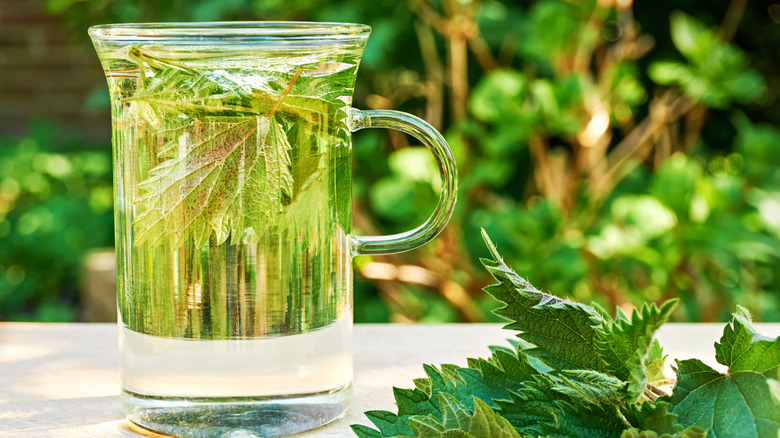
x: 233, y: 191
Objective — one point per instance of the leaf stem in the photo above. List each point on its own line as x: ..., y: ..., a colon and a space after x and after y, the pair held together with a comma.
x: 656, y: 390
x: 285, y: 93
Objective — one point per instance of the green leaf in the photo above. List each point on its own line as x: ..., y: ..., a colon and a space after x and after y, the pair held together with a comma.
x: 498, y: 95
x: 669, y: 72
x: 365, y: 431
x: 742, y: 348
x: 230, y: 165
x: 652, y: 417
x: 488, y: 380
x: 737, y: 404
x: 603, y: 392
x: 587, y: 422
x: 690, y: 36
x: 654, y: 420
x: 718, y: 73
x: 532, y: 406
x: 564, y: 332
x: 774, y: 388
x: 225, y: 161
x: 690, y: 432
x: 655, y: 364
x: 590, y: 387
x: 459, y: 422
x: 540, y: 409
x: 625, y: 345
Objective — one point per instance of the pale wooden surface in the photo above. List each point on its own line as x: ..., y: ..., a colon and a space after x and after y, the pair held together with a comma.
x: 60, y: 380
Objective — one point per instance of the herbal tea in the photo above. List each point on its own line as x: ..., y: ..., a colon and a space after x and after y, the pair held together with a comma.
x: 236, y: 193
x: 232, y: 159
x: 234, y: 205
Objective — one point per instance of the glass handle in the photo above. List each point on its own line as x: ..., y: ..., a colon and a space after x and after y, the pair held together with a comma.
x: 431, y: 138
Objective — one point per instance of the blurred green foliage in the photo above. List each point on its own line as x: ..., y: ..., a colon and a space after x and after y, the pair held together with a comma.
x: 54, y: 206
x: 615, y: 152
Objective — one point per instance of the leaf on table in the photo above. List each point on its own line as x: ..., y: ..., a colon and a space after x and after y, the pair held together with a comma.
x: 546, y: 406
x: 582, y: 421
x: 488, y: 380
x: 564, y: 332
x: 742, y: 348
x: 363, y: 431
x: 458, y: 421
x: 532, y: 407
x: 625, y: 344
x: 575, y: 373
x: 655, y: 421
x: 652, y: 417
x: 590, y: 387
x: 655, y: 365
x: 737, y: 404
x: 690, y: 432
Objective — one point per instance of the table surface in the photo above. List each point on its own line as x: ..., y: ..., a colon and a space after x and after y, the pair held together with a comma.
x: 61, y: 380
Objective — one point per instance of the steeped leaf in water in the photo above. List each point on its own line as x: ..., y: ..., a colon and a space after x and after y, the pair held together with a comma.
x: 226, y: 158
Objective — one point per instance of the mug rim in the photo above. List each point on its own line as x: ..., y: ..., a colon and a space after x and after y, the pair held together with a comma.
x: 231, y: 30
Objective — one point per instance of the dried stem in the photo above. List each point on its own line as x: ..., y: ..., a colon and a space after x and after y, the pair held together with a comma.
x: 650, y: 396
x: 434, y: 69
x: 656, y: 390
x: 730, y: 23
x: 457, y: 57
x: 484, y: 56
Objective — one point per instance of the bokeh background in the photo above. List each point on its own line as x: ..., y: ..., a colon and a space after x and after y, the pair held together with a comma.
x: 616, y: 152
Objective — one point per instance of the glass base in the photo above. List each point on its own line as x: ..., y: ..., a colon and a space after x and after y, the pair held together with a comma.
x: 236, y: 417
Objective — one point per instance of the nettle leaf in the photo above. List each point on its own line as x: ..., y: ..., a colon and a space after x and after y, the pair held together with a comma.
x: 564, y: 332
x: 225, y: 161
x: 581, y: 421
x: 548, y: 407
x: 717, y: 72
x: 488, y: 380
x: 562, y: 407
x: 230, y: 166
x: 625, y: 344
x: 576, y: 373
x: 655, y: 421
x: 590, y: 387
x: 533, y: 406
x: 458, y: 421
x: 742, y: 348
x: 366, y: 432
x: 655, y: 365
x: 690, y: 432
x: 737, y: 404
x: 655, y: 417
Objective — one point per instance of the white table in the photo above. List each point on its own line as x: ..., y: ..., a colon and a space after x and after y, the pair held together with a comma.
x: 60, y: 380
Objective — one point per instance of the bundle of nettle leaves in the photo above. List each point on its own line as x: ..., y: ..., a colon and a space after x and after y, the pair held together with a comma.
x: 576, y: 372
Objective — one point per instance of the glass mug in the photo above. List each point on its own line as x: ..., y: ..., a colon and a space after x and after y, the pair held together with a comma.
x: 233, y: 209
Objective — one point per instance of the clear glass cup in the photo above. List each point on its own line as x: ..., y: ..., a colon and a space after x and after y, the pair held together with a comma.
x: 232, y: 155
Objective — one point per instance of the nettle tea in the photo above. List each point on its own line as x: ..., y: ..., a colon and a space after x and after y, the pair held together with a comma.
x: 232, y: 158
